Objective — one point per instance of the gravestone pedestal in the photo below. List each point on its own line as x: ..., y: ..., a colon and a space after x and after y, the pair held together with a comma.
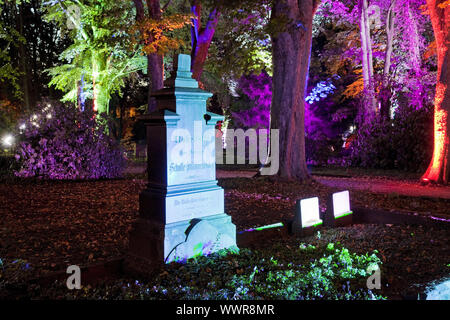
x: 181, y: 212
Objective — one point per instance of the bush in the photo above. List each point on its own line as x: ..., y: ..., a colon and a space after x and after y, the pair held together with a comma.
x: 62, y: 142
x: 404, y: 143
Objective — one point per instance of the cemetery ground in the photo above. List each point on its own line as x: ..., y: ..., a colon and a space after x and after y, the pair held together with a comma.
x: 46, y: 226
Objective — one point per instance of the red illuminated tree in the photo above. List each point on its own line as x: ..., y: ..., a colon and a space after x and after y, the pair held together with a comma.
x: 439, y: 168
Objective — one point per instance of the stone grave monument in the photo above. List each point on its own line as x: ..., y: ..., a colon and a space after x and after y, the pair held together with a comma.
x: 181, y: 211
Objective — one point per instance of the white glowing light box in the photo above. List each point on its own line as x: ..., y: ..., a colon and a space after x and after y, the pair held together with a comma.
x: 341, y: 204
x: 309, y: 209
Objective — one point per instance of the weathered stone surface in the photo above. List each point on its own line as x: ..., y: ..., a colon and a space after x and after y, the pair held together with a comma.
x: 202, y: 237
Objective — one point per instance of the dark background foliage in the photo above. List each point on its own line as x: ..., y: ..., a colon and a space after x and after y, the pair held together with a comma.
x: 404, y: 143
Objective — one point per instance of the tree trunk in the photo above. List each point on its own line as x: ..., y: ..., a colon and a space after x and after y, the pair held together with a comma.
x: 439, y: 168
x: 370, y: 106
x: 385, y: 94
x: 201, y: 38
x: 155, y: 69
x: 415, y: 57
x: 23, y: 60
x: 155, y: 61
x: 81, y: 94
x: 95, y: 89
x: 291, y: 50
x: 414, y: 41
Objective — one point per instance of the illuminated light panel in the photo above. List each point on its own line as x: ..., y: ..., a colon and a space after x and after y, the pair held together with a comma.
x: 439, y: 219
x: 269, y: 226
x: 341, y: 204
x: 309, y: 212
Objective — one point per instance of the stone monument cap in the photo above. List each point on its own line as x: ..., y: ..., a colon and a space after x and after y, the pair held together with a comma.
x: 182, y: 76
x: 184, y: 63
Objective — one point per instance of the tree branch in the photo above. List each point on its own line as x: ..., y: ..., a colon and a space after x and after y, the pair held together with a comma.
x: 166, y: 5
x: 211, y: 24
x: 140, y: 15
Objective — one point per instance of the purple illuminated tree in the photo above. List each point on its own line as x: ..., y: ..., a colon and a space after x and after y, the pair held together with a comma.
x: 399, y: 29
x: 201, y: 37
x: 64, y: 143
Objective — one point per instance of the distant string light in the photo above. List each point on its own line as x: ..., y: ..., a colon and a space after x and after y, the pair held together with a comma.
x: 8, y: 140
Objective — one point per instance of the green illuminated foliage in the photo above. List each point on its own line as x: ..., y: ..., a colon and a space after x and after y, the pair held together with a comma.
x: 10, y: 38
x: 99, y: 60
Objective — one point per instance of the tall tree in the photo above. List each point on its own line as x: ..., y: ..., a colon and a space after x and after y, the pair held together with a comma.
x: 28, y: 46
x: 98, y: 59
x: 10, y: 38
x: 153, y: 27
x: 24, y: 66
x: 367, y: 60
x: 385, y: 90
x: 291, y: 48
x: 439, y: 168
x: 155, y: 66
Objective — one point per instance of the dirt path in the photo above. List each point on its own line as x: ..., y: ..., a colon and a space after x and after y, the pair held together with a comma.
x: 234, y: 174
x: 379, y: 185
x: 372, y: 184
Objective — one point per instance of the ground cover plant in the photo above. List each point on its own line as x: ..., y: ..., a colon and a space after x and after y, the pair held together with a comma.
x: 304, y: 272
